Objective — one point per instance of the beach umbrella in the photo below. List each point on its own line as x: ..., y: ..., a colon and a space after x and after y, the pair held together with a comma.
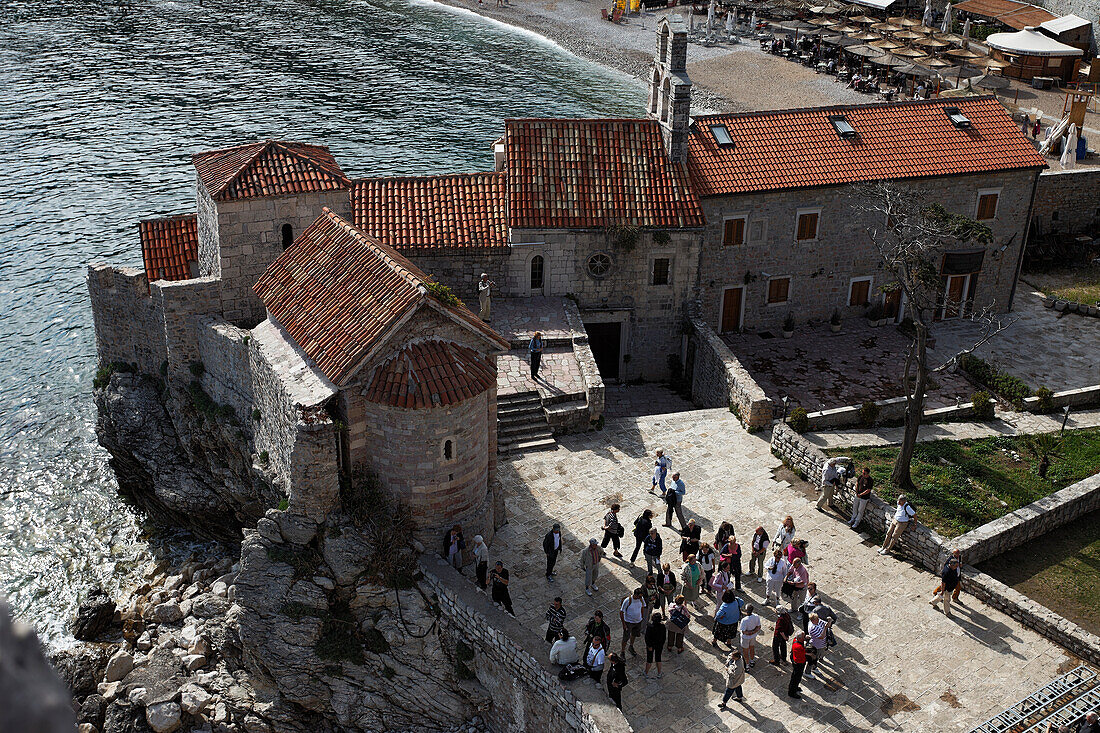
x: 945, y: 26
x: 907, y: 35
x: 886, y: 27
x: 885, y: 44
x: 866, y: 52
x: 866, y: 36
x: 1069, y: 152
x: 863, y: 19
x: 931, y: 43
x: 985, y: 81
x: 904, y: 22
x: 928, y: 19
x: 923, y: 29
x: 909, y: 53
x: 935, y: 63
x: 847, y: 29
x: 822, y: 21
x: 966, y: 33
x: 914, y: 69
x: 992, y: 64
x: 963, y: 53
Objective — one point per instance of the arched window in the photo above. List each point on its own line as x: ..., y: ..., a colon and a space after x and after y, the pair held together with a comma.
x: 654, y: 92
x: 288, y: 235
x: 537, y: 272
x: 666, y: 101
x: 448, y: 450
x: 663, y: 53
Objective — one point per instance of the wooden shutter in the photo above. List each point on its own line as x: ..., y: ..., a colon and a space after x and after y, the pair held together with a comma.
x: 735, y: 232
x: 860, y: 292
x: 807, y: 226
x: 987, y: 206
x: 778, y: 289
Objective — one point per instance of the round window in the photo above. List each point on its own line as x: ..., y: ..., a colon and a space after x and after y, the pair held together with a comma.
x: 599, y: 265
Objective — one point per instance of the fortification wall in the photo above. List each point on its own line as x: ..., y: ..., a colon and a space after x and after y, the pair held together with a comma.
x: 1067, y: 201
x: 184, y: 305
x: 461, y: 270
x: 127, y: 321
x: 227, y: 377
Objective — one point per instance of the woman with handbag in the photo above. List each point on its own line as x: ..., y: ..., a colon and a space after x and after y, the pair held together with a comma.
x: 692, y: 578
x: 721, y: 582
x: 612, y: 530
x: 678, y: 620
x: 616, y: 679
x: 775, y: 571
x: 732, y: 554
x: 726, y: 620
x: 667, y: 584
x: 784, y: 534
x: 708, y: 560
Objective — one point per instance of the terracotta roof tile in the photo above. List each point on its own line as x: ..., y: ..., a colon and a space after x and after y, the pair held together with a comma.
x: 431, y: 374
x: 800, y: 148
x: 575, y: 174
x: 271, y: 168
x: 419, y: 213
x: 169, y: 247
x: 339, y: 293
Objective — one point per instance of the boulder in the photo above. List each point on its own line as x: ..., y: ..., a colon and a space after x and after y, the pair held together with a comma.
x: 86, y: 728
x: 191, y: 662
x: 163, y: 717
x: 94, y: 616
x: 167, y: 613
x: 119, y: 666
x: 92, y: 710
x: 81, y: 667
x: 194, y: 699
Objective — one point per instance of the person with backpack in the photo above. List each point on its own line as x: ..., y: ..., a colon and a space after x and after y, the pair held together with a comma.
x: 652, y: 547
x: 726, y: 619
x: 642, y: 525
x: 597, y: 627
x: 902, y: 517
x: 612, y: 530
x: 660, y: 471
x: 632, y: 613
x: 616, y: 679
x: 655, y: 637
x: 949, y: 581
x: 595, y: 655
x: 784, y: 629
x: 678, y: 620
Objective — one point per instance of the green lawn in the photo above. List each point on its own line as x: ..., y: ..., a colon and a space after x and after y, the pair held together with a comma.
x: 1077, y: 284
x: 964, y: 484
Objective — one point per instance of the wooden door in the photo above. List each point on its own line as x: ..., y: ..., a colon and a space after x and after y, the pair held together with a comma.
x: 956, y: 289
x: 731, y: 309
x: 891, y: 303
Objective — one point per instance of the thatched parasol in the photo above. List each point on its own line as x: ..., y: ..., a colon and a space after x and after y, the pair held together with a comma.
x: 963, y: 53
x: 862, y: 19
x: 986, y: 81
x: 866, y: 52
x: 847, y: 29
x: 886, y: 27
x: 934, y: 63
x: 886, y: 44
x: 991, y: 64
x: 826, y: 22
x: 931, y: 43
x: 907, y: 35
x: 909, y: 53
x: 866, y: 36
x: 904, y: 22
x: 838, y: 40
x: 914, y: 69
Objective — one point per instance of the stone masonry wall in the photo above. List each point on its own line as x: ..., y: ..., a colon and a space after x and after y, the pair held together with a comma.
x: 525, y: 690
x: 461, y: 269
x: 1027, y: 523
x: 719, y: 379
x: 227, y: 377
x: 821, y: 270
x: 1073, y: 195
x: 184, y: 305
x: 128, y: 324
x: 919, y: 543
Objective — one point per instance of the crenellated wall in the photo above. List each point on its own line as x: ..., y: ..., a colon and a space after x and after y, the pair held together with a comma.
x: 223, y: 351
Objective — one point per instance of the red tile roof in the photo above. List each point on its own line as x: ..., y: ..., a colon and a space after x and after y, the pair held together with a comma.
x: 339, y: 293
x: 431, y: 374
x: 575, y: 174
x: 169, y: 246
x: 271, y: 168
x: 433, y: 211
x: 901, y: 140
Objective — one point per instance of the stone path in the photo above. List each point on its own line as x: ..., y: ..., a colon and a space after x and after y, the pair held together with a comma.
x: 900, y: 664
x: 1009, y: 423
x: 559, y: 374
x: 636, y: 400
x: 517, y: 319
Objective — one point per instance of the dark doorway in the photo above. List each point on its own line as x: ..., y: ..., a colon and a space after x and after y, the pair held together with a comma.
x: 605, y: 340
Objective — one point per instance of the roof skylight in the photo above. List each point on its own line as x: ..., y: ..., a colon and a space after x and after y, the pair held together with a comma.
x: 722, y: 135
x: 842, y: 126
x: 958, y: 119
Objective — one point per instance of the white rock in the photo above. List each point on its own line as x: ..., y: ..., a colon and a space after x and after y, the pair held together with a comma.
x: 144, y: 642
x: 219, y: 588
x: 119, y: 666
x: 188, y: 634
x: 324, y: 582
x: 86, y: 728
x: 194, y: 661
x: 194, y: 699
x: 172, y: 582
x: 138, y: 695
x: 191, y: 591
x: 199, y: 646
x: 221, y: 713
x: 167, y: 613
x: 186, y: 606
x: 109, y: 690
x: 255, y: 724
x: 164, y: 717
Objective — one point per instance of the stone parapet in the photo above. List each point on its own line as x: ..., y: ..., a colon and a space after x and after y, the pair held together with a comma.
x: 590, y: 373
x: 720, y: 380
x: 128, y: 323
x: 183, y: 305
x: 1081, y: 397
x: 1072, y: 196
x: 227, y: 378
x: 526, y: 692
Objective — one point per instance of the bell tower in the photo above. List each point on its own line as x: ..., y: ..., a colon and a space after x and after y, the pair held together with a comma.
x: 670, y: 87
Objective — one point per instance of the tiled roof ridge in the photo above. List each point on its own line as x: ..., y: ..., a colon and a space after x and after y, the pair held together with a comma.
x: 169, y: 217
x: 386, y: 254
x: 430, y: 177
x: 253, y: 152
x: 285, y: 147
x: 947, y: 101
x: 573, y: 120
x: 260, y: 147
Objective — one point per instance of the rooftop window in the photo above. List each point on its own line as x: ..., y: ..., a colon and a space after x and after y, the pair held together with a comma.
x: 842, y: 126
x: 958, y: 119
x: 722, y: 135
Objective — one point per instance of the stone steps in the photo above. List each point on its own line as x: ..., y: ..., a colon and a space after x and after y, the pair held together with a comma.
x: 522, y: 424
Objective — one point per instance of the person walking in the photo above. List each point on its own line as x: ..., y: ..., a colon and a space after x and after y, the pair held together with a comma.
x: 784, y: 534
x: 555, y: 620
x: 632, y: 613
x: 864, y: 486
x: 735, y: 678
x: 749, y: 627
x: 731, y: 553
x: 595, y: 656
x: 949, y: 581
x: 551, y: 545
x: 759, y: 549
x: 689, y: 540
x: 818, y: 628
x: 668, y: 585
x: 651, y: 549
x: 499, y: 577
x: 453, y: 545
x: 642, y: 525
x: 612, y: 530
x: 721, y: 582
x: 564, y: 650
x: 957, y: 554
x: 798, y: 665
x: 674, y: 500
x: 831, y: 477
x: 616, y: 679
x: 591, y: 557
x: 655, y: 637
x: 597, y: 627
x: 726, y: 619
x: 678, y: 620
x: 484, y: 293
x: 481, y: 561
x: 775, y: 572
x: 692, y: 578
x: 903, y: 515
x: 660, y: 471
x: 534, y: 347
x: 784, y: 628
x: 794, y: 585
x: 652, y: 594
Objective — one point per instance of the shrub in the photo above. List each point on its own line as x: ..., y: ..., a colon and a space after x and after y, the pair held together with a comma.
x: 265, y: 457
x: 256, y: 414
x: 443, y: 294
x: 1011, y: 388
x: 799, y: 420
x: 1046, y: 400
x: 661, y: 237
x: 874, y: 312
x: 868, y: 413
x: 788, y: 322
x: 103, y: 374
x: 384, y: 522
x: 284, y: 504
x: 983, y: 405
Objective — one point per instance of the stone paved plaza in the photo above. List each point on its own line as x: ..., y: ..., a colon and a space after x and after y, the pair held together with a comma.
x: 900, y: 664
x: 627, y: 400
x: 559, y: 374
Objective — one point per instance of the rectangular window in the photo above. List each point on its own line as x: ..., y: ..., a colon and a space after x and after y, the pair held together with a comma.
x: 734, y: 233
x: 779, y: 289
x: 661, y: 271
x: 859, y: 292
x: 807, y: 226
x: 987, y: 205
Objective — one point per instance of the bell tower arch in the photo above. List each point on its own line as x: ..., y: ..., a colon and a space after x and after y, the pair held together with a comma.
x: 669, y: 86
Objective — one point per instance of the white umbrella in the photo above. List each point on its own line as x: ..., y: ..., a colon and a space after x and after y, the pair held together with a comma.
x: 945, y: 27
x: 729, y: 23
x: 754, y: 21
x: 928, y: 13
x: 710, y: 17
x: 1069, y: 153
x: 966, y: 33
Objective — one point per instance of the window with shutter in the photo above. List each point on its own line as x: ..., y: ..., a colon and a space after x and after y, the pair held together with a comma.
x: 807, y: 226
x: 860, y: 293
x: 778, y: 289
x: 661, y: 266
x: 734, y: 233
x: 987, y: 206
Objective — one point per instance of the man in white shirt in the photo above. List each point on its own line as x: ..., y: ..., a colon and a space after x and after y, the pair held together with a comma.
x: 632, y: 613
x: 484, y: 291
x: 564, y: 650
x: 749, y: 627
x: 830, y: 480
x: 594, y: 657
x: 902, y: 517
x: 660, y: 471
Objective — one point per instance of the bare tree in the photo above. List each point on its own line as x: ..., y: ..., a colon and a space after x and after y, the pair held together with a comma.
x: 911, y: 238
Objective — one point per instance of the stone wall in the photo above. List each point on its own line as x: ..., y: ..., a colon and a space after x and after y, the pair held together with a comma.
x: 919, y: 543
x: 460, y: 269
x: 891, y: 410
x: 719, y: 380
x: 227, y: 377
x: 184, y: 305
x: 1026, y: 523
x: 128, y: 324
x: 526, y: 692
x: 590, y: 373
x: 821, y: 270
x: 1073, y: 196
x: 1073, y: 397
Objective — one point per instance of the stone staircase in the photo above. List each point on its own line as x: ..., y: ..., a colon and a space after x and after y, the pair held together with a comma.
x: 521, y: 424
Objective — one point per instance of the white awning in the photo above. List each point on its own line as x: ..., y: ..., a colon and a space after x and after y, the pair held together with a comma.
x: 877, y: 4
x: 1030, y: 42
x: 1059, y: 26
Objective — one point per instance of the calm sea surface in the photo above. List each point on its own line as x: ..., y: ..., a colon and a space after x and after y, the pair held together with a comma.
x: 99, y: 113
